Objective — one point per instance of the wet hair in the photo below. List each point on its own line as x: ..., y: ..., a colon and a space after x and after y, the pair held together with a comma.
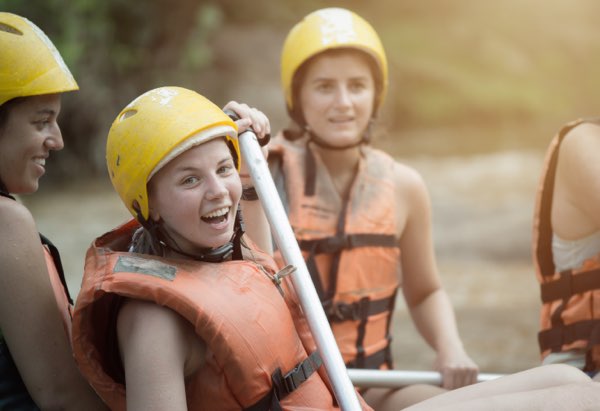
x: 299, y: 76
x: 144, y: 241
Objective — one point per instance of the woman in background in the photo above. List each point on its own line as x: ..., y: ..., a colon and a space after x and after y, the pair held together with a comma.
x: 362, y: 219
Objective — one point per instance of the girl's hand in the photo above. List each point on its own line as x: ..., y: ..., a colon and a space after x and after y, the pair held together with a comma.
x: 250, y: 117
x: 457, y: 369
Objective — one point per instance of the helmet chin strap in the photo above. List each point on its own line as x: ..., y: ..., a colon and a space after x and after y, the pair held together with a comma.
x: 321, y: 143
x: 232, y: 250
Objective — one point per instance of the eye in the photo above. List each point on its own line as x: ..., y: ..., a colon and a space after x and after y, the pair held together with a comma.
x: 225, y: 169
x: 190, y: 180
x: 357, y: 86
x: 40, y: 124
x: 324, y: 87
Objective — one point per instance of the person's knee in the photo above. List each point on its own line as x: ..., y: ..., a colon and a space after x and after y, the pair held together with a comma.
x: 384, y: 399
x: 558, y: 374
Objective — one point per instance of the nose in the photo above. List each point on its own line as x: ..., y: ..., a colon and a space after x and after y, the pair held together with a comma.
x: 343, y: 96
x: 215, y: 188
x: 54, y: 141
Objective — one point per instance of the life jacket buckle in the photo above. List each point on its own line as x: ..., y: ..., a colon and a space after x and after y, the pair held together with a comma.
x: 284, y: 272
x: 355, y: 311
x: 302, y: 372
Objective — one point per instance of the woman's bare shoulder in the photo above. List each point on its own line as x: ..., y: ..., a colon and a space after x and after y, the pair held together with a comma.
x: 16, y: 221
x: 582, y: 138
x: 408, y: 178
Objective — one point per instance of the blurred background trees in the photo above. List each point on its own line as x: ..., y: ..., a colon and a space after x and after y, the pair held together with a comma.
x: 467, y: 76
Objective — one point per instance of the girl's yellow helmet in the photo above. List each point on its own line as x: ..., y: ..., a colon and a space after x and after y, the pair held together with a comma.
x: 326, y: 29
x: 30, y: 65
x: 154, y: 129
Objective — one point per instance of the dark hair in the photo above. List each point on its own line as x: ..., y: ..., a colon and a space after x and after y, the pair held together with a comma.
x: 296, y: 112
x: 4, y: 113
x: 6, y: 107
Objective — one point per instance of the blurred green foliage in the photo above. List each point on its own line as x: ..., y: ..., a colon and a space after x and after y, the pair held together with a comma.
x: 465, y: 76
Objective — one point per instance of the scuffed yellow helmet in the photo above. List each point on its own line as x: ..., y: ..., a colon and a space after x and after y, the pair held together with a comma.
x: 327, y: 29
x: 154, y: 129
x: 30, y: 65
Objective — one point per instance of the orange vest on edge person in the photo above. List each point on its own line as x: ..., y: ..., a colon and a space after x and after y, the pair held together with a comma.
x: 257, y: 358
x: 349, y: 245
x: 570, y: 315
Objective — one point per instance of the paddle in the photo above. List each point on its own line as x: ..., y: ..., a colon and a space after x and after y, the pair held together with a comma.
x: 398, y: 379
x: 286, y: 242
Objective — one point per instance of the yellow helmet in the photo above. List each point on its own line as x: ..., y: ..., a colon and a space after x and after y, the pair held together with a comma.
x: 30, y: 65
x: 154, y: 129
x: 326, y: 29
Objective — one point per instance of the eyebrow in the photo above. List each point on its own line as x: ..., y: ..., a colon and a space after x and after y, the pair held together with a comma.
x: 48, y: 111
x: 188, y: 168
x: 318, y: 79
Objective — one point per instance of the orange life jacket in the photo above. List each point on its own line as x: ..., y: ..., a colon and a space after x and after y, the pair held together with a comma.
x: 59, y: 284
x: 256, y: 358
x: 350, y: 245
x: 570, y: 314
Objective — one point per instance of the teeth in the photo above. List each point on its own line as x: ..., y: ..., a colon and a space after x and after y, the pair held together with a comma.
x: 40, y: 161
x: 217, y: 213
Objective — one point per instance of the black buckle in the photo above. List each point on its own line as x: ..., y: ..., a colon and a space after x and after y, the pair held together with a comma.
x: 302, y: 372
x: 355, y: 311
x: 297, y: 376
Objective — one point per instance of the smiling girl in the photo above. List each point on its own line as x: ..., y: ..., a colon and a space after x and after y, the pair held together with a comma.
x: 37, y: 370
x: 179, y: 309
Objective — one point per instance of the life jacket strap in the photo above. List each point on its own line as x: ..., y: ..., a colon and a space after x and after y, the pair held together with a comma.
x: 58, y: 264
x: 4, y: 193
x: 358, y: 310
x: 373, y: 361
x: 283, y: 385
x: 554, y: 338
x: 333, y: 244
x: 570, y: 284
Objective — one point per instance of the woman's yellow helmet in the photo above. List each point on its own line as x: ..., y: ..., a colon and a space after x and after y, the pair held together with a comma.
x: 30, y: 64
x: 154, y: 129
x: 326, y: 29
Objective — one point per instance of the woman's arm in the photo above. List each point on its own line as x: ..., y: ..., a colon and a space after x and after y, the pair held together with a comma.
x: 428, y: 303
x: 255, y: 220
x: 155, y: 344
x: 577, y: 188
x: 30, y: 319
